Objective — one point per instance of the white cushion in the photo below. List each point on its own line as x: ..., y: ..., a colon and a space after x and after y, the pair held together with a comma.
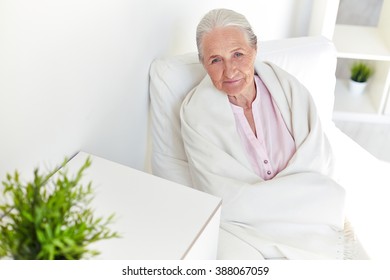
x: 312, y: 60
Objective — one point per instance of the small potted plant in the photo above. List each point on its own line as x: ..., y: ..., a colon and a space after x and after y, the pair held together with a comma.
x: 49, y: 218
x: 360, y: 73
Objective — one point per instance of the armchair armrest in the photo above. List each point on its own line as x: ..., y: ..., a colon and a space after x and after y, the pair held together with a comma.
x: 366, y: 180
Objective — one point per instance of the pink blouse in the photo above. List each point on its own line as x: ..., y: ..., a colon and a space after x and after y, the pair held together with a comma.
x: 274, y: 146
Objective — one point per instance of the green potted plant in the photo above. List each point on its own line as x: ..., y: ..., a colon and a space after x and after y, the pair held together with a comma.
x: 50, y: 217
x: 360, y: 73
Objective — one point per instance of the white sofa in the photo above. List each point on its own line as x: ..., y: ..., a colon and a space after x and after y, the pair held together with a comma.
x: 313, y: 61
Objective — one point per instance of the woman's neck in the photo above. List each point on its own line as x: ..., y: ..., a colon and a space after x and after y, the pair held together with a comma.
x: 244, y: 100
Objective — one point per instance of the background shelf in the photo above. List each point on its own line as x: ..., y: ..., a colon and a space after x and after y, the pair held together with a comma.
x: 345, y: 101
x: 360, y: 42
x: 360, y: 30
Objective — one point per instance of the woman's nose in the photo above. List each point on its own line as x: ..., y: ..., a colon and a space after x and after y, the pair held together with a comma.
x: 229, y: 69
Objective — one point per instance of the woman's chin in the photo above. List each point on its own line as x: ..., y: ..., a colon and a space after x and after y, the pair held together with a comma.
x: 233, y: 88
x: 232, y: 91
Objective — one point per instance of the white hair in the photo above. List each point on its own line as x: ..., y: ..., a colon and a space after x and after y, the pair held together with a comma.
x: 223, y: 18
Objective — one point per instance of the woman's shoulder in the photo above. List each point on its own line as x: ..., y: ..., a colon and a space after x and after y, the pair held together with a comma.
x: 204, y: 95
x: 272, y: 75
x: 271, y: 69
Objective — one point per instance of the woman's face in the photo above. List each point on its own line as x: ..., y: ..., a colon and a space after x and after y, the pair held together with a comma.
x: 229, y: 60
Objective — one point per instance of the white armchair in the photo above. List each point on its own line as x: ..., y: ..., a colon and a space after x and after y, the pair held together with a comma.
x: 313, y: 61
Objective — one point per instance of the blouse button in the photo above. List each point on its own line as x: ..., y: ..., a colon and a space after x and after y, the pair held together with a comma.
x: 269, y: 172
x: 265, y: 161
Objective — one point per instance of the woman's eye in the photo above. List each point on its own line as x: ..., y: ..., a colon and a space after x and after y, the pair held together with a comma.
x: 215, y: 60
x: 237, y: 54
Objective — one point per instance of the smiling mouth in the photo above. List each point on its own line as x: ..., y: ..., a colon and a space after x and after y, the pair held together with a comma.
x: 232, y: 81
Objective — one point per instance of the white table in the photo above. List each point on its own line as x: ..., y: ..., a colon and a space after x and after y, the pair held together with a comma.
x: 157, y: 219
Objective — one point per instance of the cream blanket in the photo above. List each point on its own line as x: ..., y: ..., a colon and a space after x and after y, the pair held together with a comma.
x: 297, y: 215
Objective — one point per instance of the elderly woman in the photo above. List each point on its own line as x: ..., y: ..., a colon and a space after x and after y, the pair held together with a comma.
x: 253, y: 137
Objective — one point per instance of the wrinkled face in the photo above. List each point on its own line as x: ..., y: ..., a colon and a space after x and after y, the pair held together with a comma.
x: 229, y: 60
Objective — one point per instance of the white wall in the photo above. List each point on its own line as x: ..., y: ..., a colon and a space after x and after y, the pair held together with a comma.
x: 74, y: 73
